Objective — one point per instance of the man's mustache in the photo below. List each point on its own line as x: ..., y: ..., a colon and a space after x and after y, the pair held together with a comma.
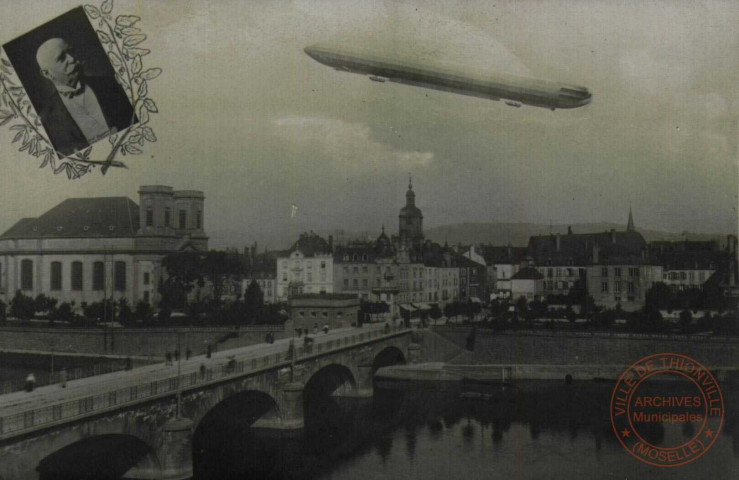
x: 77, y: 66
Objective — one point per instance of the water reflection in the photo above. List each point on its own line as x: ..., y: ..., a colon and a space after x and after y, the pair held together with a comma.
x: 543, y: 429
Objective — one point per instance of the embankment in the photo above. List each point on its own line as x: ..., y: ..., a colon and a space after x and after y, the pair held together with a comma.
x: 154, y: 342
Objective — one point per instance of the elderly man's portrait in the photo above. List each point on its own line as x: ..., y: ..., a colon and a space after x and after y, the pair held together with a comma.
x: 70, y: 82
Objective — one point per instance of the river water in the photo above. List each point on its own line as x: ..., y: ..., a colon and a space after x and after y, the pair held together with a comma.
x: 545, y: 430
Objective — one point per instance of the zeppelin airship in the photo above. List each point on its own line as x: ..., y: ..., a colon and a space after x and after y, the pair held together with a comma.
x: 515, y: 91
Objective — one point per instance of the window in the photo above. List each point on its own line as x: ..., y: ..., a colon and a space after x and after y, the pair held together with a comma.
x: 604, y: 271
x: 146, y: 296
x: 147, y: 278
x: 604, y: 287
x: 364, y: 269
x: 183, y: 219
x: 313, y: 314
x: 550, y: 273
x: 346, y: 282
x: 701, y: 276
x: 355, y: 283
x: 167, y: 214
x: 120, y: 276
x: 199, y: 219
x: 630, y: 287
x: 77, y: 276
x: 356, y: 269
x: 56, y: 275
x: 617, y: 287
x: 364, y: 282
x: 98, y: 276
x: 617, y: 272
x: 323, y: 264
x: 682, y: 276
x: 27, y: 275
x: 346, y: 269
x: 149, y: 216
x: 325, y: 314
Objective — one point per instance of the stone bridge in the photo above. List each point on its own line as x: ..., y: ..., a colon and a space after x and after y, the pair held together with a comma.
x: 143, y: 423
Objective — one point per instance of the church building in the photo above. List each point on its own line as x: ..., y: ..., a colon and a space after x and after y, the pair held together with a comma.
x: 87, y: 249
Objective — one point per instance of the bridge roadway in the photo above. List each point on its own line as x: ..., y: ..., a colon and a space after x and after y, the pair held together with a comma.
x: 24, y: 412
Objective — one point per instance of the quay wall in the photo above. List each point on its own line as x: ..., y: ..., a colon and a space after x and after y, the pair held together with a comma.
x: 576, y: 348
x: 140, y: 342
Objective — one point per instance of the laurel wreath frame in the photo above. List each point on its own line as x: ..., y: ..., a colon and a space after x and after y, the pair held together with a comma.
x: 122, y: 40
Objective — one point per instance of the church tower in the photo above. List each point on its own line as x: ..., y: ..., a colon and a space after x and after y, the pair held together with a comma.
x: 630, y: 226
x: 410, y: 220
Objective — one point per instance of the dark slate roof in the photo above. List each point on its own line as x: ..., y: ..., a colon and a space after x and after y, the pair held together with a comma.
x: 81, y: 217
x: 577, y: 249
x: 310, y: 245
x: 363, y: 252
x: 502, y: 255
x: 527, y: 273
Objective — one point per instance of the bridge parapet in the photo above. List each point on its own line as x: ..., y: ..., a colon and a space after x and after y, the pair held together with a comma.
x: 54, y: 414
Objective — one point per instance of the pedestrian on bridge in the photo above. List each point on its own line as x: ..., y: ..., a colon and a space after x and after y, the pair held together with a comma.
x: 30, y: 382
x: 63, y: 377
x: 188, y: 352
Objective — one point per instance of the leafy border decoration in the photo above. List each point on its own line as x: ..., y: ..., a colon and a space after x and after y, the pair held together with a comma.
x: 122, y: 42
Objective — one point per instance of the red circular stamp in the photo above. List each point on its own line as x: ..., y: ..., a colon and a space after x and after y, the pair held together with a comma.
x: 667, y: 410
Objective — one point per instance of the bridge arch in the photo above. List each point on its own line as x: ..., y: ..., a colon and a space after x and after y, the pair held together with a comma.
x: 110, y: 456
x: 227, y: 434
x: 331, y: 379
x: 388, y: 356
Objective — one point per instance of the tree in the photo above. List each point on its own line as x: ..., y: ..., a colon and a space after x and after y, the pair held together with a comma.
x: 254, y: 302
x: 3, y: 312
x: 435, y: 312
x: 125, y: 314
x: 22, y: 307
x: 42, y: 303
x: 686, y: 318
x: 143, y: 312
x: 64, y: 313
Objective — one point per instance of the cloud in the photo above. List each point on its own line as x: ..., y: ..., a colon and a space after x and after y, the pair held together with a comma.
x: 347, y: 145
x: 653, y: 74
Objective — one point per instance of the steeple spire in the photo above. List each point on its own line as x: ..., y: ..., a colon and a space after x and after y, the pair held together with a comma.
x: 630, y: 226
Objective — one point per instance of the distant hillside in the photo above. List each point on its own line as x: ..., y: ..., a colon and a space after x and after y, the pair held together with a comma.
x: 517, y: 234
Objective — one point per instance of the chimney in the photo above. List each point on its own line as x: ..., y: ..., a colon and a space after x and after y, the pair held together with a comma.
x: 569, y: 229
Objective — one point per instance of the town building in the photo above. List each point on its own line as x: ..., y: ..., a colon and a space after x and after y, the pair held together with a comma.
x: 85, y: 250
x: 335, y: 310
x: 307, y: 267
x: 527, y: 283
x: 502, y: 263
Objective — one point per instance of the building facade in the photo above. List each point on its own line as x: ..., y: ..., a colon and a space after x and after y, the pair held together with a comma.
x: 86, y: 250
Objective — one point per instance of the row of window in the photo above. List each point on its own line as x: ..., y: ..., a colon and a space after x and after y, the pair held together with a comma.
x: 167, y: 214
x: 324, y: 314
x: 77, y: 275
x: 684, y: 276
x: 633, y: 272
x: 630, y: 288
x: 552, y: 285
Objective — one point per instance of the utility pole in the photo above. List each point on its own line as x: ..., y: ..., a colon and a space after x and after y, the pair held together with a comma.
x: 179, y: 369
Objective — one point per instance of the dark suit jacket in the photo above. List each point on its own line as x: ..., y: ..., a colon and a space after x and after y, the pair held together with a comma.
x: 63, y: 131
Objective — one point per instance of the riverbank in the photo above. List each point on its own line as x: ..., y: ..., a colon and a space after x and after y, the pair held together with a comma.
x: 443, y: 372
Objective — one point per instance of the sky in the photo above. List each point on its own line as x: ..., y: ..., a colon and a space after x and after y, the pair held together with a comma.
x: 258, y: 126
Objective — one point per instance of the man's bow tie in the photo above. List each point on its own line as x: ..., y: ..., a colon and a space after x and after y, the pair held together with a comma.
x: 73, y: 93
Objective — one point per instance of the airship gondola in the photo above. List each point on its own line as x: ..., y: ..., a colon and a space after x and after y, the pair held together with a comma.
x: 515, y: 90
